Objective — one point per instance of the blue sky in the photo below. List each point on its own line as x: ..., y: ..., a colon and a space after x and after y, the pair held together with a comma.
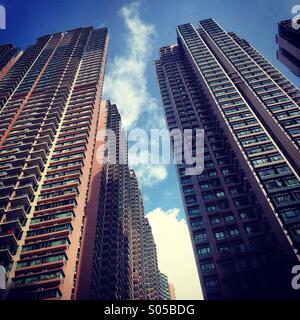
x: 151, y: 23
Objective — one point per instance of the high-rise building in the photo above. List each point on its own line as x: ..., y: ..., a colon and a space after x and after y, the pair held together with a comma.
x: 243, y: 209
x: 138, y: 258
x: 151, y: 271
x: 288, y: 40
x: 50, y: 111
x: 106, y: 264
x: 8, y: 56
x: 144, y: 256
x: 164, y: 291
x: 67, y: 203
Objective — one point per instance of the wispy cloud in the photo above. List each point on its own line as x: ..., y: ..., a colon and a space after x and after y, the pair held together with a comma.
x: 175, y: 254
x: 149, y: 175
x: 126, y: 85
x: 126, y: 81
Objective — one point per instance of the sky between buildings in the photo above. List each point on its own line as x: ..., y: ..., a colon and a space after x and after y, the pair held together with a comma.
x: 137, y: 29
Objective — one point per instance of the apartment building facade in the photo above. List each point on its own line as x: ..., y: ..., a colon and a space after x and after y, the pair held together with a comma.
x: 243, y: 209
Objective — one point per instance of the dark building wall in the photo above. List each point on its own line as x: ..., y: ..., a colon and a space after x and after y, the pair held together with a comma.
x: 288, y: 40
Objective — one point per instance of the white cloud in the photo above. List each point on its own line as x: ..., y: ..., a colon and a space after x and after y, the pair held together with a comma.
x: 126, y: 85
x: 126, y: 81
x: 175, y: 253
x: 150, y: 175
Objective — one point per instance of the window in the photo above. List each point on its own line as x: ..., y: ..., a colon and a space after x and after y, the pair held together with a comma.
x: 215, y: 220
x: 224, y: 250
x: 204, y: 186
x: 211, y: 208
x: 46, y: 244
x: 43, y: 260
x: 291, y: 182
x: 246, y: 214
x: 190, y: 200
x: 204, y: 251
x: 207, y: 267
x: 229, y: 219
x: 223, y: 204
x: 212, y: 174
x: 240, y: 202
x: 212, y: 284
x: 252, y: 229
x: 200, y: 237
x: 274, y: 184
x: 240, y: 247
x: 207, y: 196
x: 188, y: 190
x: 291, y: 214
x: 266, y: 172
x: 220, y: 235
x: 282, y: 198
x: 220, y: 194
x: 186, y: 180
x: 193, y: 211
x: 234, y: 233
x: 296, y: 234
x: 197, y: 223
x: 52, y: 217
x: 283, y: 169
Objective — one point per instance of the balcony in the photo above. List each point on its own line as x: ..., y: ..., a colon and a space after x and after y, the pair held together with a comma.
x: 51, y: 221
x: 35, y: 162
x: 29, y: 180
x: 38, y: 154
x: 38, y: 279
x: 13, y: 226
x: 14, y: 171
x: 8, y: 241
x: 47, y: 132
x: 22, y: 154
x: 5, y: 255
x: 10, y: 180
x: 45, y: 139
x: 25, y: 190
x: 17, y: 162
x: 20, y: 201
x: 4, y: 201
x: 17, y: 213
x: 43, y: 250
x: 6, y: 190
x: 50, y: 126
x: 47, y: 236
x: 24, y: 146
x: 39, y: 267
x: 41, y: 146
x: 34, y: 170
x: 52, y: 120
